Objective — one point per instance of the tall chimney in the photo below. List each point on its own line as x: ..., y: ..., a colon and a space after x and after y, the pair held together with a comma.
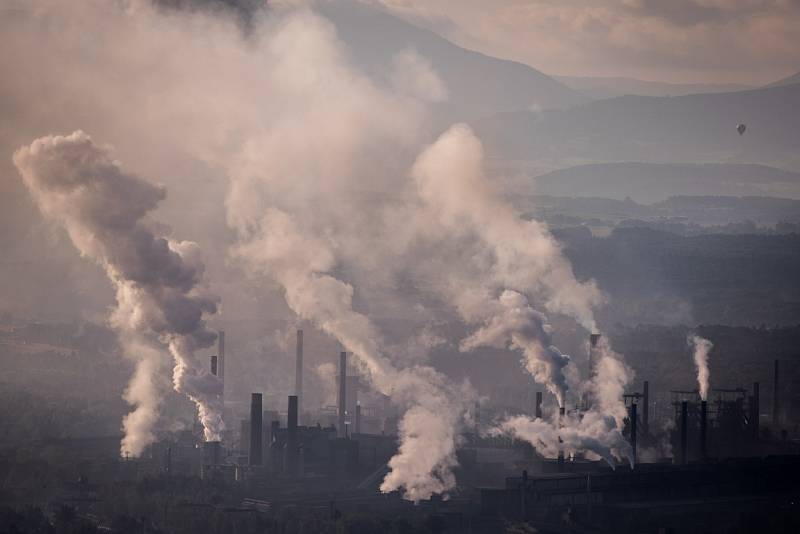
x: 298, y: 370
x: 292, y: 442
x: 342, y: 393
x: 756, y: 409
x: 358, y: 419
x: 211, y: 453
x: 538, y: 404
x: 593, y: 340
x: 646, y: 408
x: 775, y: 399
x: 703, y: 430
x: 633, y: 416
x: 214, y: 365
x: 684, y: 432
x: 561, y: 413
x: 255, y: 429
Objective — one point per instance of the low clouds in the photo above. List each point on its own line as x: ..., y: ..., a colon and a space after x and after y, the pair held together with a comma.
x: 744, y: 41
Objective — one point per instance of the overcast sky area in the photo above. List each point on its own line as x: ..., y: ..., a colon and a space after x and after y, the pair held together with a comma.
x: 686, y: 41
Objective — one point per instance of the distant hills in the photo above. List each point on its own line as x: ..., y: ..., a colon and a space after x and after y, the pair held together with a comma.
x: 478, y: 84
x: 789, y: 80
x: 608, y: 87
x: 698, y: 128
x: 653, y: 182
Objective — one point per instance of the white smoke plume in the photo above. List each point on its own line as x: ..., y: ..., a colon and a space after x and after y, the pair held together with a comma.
x: 525, y: 256
x: 587, y: 434
x: 433, y: 407
x: 528, y: 331
x: 304, y: 218
x: 520, y: 261
x: 159, y: 282
x: 144, y: 391
x: 701, y: 348
x: 318, y: 159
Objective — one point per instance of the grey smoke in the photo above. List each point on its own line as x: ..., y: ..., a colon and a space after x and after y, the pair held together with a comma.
x: 158, y: 281
x: 334, y: 199
x: 517, y: 261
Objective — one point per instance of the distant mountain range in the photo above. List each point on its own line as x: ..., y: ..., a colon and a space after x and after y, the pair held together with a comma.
x: 697, y: 128
x: 652, y: 182
x: 608, y: 87
x: 478, y: 84
x: 789, y: 80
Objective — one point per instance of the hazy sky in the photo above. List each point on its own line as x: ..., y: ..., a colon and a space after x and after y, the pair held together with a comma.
x: 725, y: 41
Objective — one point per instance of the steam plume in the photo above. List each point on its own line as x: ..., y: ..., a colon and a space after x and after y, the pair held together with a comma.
x: 159, y: 282
x: 528, y: 331
x: 701, y: 348
x: 305, y: 220
x: 520, y: 261
x: 526, y: 257
x: 429, y: 427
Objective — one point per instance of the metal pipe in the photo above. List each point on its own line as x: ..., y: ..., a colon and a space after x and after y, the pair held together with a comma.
x: 633, y: 430
x: 703, y: 430
x: 561, y: 413
x: 593, y: 340
x: 292, y: 442
x: 256, y: 452
x: 341, y: 431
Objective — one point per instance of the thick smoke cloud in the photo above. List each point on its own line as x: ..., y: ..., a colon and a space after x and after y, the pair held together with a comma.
x: 433, y: 407
x: 513, y: 261
x: 302, y: 217
x: 701, y: 348
x: 158, y: 281
x: 334, y: 201
x: 518, y: 262
x: 528, y: 331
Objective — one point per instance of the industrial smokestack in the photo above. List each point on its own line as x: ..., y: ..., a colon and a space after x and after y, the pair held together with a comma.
x: 646, y: 408
x: 684, y: 432
x: 775, y: 398
x: 593, y: 340
x: 342, y: 393
x: 633, y: 416
x: 255, y: 429
x: 538, y: 404
x: 212, y: 453
x: 298, y: 370
x: 703, y: 430
x: 561, y: 413
x: 292, y: 442
x: 214, y: 365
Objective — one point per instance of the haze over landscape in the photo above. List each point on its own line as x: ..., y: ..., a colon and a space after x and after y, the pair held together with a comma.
x: 452, y: 195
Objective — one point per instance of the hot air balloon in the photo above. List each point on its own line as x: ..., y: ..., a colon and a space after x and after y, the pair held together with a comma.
x: 741, y: 127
